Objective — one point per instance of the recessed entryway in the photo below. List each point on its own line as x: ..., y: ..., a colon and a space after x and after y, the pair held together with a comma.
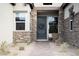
x: 47, y: 26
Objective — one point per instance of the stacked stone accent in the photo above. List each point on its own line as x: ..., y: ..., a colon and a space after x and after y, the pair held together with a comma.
x: 60, y: 26
x: 72, y: 37
x: 65, y: 33
x: 21, y: 37
x: 34, y: 24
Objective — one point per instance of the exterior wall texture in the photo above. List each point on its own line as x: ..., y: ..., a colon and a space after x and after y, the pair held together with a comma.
x: 34, y: 24
x: 76, y: 9
x: 72, y: 37
x: 22, y: 36
x: 34, y: 15
x: 19, y: 7
x: 60, y: 26
x: 8, y: 30
x: 6, y: 22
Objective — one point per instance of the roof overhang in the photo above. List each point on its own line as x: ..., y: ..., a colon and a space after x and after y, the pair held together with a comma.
x: 30, y: 4
x: 13, y: 4
x: 54, y: 6
x: 64, y: 5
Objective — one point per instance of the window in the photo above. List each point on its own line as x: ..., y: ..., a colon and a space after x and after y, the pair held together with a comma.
x: 47, y: 3
x: 71, y: 27
x: 20, y: 21
x: 53, y: 24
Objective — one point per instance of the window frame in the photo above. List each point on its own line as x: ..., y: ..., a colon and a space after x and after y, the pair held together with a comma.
x: 19, y: 21
x: 54, y: 26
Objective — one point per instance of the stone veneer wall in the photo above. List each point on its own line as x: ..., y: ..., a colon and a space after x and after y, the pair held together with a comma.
x: 21, y: 37
x: 60, y: 25
x: 34, y: 24
x: 72, y: 37
x: 65, y: 34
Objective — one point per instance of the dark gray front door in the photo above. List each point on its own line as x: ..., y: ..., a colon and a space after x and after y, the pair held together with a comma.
x: 41, y: 27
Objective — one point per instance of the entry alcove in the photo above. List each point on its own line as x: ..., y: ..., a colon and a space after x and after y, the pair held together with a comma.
x: 52, y: 23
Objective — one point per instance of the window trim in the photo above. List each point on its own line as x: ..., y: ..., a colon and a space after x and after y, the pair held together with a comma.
x: 19, y: 21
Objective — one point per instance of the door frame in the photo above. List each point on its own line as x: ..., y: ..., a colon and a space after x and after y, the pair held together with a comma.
x: 46, y: 27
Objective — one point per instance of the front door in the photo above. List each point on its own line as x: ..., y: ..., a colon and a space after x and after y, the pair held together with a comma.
x: 41, y: 28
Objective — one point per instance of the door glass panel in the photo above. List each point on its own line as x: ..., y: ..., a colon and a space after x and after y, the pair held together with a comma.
x: 41, y: 27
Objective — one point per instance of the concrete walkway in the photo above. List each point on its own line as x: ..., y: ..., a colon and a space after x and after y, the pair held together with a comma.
x: 48, y: 49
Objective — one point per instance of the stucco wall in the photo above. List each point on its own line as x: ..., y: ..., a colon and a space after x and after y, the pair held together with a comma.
x: 22, y: 7
x: 53, y: 5
x: 66, y: 10
x: 6, y: 22
x: 27, y: 10
x: 22, y: 35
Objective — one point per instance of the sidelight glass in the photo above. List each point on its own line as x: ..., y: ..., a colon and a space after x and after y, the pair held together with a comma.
x: 53, y: 24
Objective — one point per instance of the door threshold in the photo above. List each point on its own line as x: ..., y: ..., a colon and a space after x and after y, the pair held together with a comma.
x: 41, y: 40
